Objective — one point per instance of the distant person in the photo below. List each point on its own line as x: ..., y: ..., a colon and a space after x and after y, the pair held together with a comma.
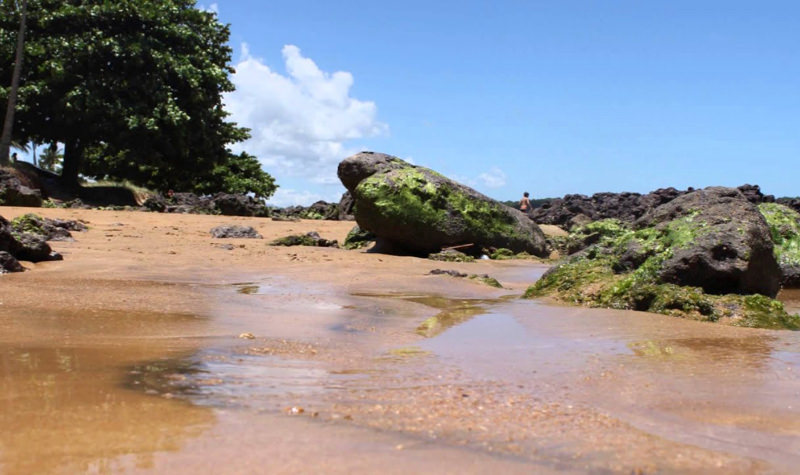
x: 14, y: 157
x: 525, y: 203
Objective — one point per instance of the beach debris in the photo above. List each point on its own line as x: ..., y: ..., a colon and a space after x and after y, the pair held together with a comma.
x: 234, y: 231
x: 247, y: 336
x: 422, y: 211
x: 295, y: 410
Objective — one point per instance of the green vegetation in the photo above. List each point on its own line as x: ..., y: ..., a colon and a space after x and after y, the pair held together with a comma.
x: 358, y: 238
x: 28, y: 223
x: 451, y: 256
x: 407, y: 196
x: 784, y: 225
x: 295, y: 240
x: 133, y: 89
x: 620, y: 271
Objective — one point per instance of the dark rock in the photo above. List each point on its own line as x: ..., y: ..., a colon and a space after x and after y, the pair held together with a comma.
x: 453, y: 273
x: 48, y: 229
x: 309, y: 239
x: 346, y: 207
x: 234, y: 231
x: 576, y: 210
x: 9, y: 264
x: 358, y: 238
x: 155, y: 202
x: 239, y: 205
x: 793, y: 203
x: 728, y: 247
x: 318, y: 210
x: 14, y: 193
x: 421, y: 211
x: 190, y: 203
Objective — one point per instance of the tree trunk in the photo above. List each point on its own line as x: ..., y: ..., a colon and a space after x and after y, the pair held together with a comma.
x: 8, y: 123
x: 73, y: 156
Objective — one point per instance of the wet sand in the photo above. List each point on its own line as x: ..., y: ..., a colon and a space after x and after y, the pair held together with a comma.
x: 127, y: 356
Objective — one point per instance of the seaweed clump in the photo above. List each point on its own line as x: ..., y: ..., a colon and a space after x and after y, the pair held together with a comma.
x: 619, y: 268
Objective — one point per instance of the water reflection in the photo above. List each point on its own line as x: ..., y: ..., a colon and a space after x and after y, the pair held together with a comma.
x: 64, y: 410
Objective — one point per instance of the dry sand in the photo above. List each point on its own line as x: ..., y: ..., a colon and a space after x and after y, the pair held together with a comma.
x: 153, y: 347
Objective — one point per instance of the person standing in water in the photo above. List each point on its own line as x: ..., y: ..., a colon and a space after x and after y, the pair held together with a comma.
x: 525, y: 203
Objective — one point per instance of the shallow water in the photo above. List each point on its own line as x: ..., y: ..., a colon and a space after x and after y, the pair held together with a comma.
x: 520, y: 384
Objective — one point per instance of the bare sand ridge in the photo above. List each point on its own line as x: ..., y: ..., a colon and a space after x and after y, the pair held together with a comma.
x: 153, y: 347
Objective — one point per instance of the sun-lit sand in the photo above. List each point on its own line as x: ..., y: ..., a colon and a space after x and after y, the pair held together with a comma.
x: 153, y: 346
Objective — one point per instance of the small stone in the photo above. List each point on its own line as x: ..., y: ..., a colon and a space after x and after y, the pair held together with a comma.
x: 247, y: 336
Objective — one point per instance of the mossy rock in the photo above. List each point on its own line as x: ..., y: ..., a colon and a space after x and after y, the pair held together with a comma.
x: 451, y: 255
x: 422, y: 211
x: 502, y: 254
x: 358, y: 238
x: 309, y: 239
x: 784, y: 226
x: 624, y: 269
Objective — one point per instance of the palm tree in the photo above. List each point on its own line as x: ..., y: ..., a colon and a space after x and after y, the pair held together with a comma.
x: 8, y: 123
x: 51, y: 158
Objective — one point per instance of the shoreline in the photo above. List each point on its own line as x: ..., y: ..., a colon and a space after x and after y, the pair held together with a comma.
x: 140, y: 306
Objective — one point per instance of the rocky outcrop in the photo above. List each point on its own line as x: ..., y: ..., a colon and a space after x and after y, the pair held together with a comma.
x: 14, y: 193
x: 22, y: 246
x: 228, y: 204
x: 234, y: 231
x: 48, y: 229
x: 727, y: 247
x: 420, y: 211
x: 706, y: 255
x: 346, y: 207
x: 576, y: 210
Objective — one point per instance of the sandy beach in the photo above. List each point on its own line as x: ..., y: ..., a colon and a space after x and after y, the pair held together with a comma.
x: 154, y: 347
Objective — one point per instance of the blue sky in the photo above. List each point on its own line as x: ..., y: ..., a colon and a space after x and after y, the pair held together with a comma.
x: 550, y: 97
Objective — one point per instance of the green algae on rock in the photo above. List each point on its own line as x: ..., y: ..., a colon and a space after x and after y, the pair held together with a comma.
x: 784, y: 225
x: 623, y: 268
x: 358, y: 238
x: 420, y: 210
x: 309, y: 239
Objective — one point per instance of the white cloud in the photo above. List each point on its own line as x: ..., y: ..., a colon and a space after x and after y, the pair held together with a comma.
x: 213, y: 8
x: 300, y: 122
x: 494, y: 178
x: 284, y: 197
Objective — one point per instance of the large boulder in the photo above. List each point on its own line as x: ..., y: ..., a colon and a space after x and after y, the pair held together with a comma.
x: 420, y: 211
x: 721, y: 243
x: 14, y: 193
x: 784, y: 225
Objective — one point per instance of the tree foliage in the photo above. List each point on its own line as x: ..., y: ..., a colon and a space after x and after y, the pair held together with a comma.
x: 133, y: 89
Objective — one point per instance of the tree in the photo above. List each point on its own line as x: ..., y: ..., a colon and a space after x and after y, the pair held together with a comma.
x: 132, y: 88
x: 11, y: 103
x: 51, y: 158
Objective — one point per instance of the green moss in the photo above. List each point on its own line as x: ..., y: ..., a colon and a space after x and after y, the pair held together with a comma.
x: 451, y: 256
x: 358, y: 238
x: 502, y: 254
x: 784, y: 226
x: 295, y: 240
x: 28, y: 223
x: 596, y: 277
x: 764, y: 312
x: 490, y: 281
x: 408, y: 196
